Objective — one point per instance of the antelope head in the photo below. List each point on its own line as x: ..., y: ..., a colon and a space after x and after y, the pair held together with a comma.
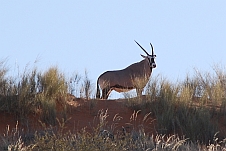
x: 151, y: 58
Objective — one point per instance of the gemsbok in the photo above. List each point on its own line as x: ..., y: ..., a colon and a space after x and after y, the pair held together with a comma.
x: 134, y: 76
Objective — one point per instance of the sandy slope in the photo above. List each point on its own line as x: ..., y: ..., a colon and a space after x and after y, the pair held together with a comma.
x: 84, y: 114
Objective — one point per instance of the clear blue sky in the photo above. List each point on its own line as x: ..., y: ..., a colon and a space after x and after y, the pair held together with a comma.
x: 99, y: 35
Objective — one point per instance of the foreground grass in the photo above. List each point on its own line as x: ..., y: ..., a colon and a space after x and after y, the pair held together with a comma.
x: 102, y: 138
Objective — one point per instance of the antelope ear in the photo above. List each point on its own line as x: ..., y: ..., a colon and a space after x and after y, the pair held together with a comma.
x: 143, y: 56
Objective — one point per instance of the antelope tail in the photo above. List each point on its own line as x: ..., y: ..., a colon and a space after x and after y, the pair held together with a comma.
x: 98, y: 91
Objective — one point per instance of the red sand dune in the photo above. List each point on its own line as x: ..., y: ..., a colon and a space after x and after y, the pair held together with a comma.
x: 84, y: 114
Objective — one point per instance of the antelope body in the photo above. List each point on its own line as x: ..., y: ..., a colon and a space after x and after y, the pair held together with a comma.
x: 134, y: 76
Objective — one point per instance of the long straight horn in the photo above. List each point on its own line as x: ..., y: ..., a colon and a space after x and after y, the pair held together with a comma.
x: 152, y: 49
x: 142, y: 48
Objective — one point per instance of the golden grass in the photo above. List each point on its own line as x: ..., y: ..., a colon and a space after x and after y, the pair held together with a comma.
x: 192, y: 108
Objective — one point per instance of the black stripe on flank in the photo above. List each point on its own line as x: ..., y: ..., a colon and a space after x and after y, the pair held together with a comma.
x: 121, y: 87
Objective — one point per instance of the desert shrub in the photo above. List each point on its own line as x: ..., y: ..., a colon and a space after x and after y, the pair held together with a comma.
x: 3, y: 79
x: 86, y: 87
x: 52, y: 83
x: 192, y: 107
x: 26, y: 90
x: 81, y: 86
x: 7, y: 88
x: 53, y: 87
x: 74, y: 83
x: 17, y: 95
x: 176, y: 114
x: 31, y: 90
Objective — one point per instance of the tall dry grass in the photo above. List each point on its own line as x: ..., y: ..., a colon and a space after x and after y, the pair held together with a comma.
x: 194, y: 108
x: 52, y: 84
x: 32, y: 91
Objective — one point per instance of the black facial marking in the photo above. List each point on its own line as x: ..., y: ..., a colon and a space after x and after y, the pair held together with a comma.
x: 151, y: 61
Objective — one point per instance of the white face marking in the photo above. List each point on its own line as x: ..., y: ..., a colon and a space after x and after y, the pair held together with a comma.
x: 153, y: 65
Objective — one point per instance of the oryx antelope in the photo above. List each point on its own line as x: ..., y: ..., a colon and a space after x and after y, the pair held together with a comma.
x: 134, y: 76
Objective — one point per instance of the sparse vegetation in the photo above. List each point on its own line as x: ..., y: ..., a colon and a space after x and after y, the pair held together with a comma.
x: 194, y: 107
x: 190, y: 114
x: 86, y: 88
x: 103, y: 138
